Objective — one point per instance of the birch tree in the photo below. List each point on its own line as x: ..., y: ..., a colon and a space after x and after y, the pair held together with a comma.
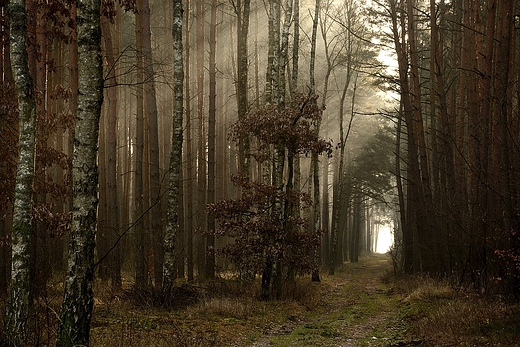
x: 314, y: 156
x: 242, y: 10
x: 18, y: 303
x: 78, y: 300
x: 172, y: 223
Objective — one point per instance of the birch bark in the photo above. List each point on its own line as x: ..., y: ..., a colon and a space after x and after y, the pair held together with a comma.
x: 172, y: 225
x: 18, y: 304
x: 76, y: 309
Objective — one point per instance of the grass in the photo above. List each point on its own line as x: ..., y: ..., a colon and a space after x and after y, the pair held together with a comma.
x: 221, y: 313
x: 439, y: 315
x: 362, y: 305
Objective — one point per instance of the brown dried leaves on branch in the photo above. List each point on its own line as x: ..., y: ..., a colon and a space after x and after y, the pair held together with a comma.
x: 249, y: 220
x: 292, y: 126
x: 256, y: 230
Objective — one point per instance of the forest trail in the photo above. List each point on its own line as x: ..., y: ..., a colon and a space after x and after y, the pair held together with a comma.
x: 356, y: 309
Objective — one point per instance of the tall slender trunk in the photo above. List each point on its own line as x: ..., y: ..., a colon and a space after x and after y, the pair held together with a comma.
x: 210, y: 239
x: 141, y: 272
x: 189, y: 155
x: 151, y: 112
x: 172, y: 224
x: 341, y: 174
x: 312, y: 78
x: 399, y: 34
x: 9, y: 135
x: 243, y: 11
x: 293, y: 86
x: 325, y: 213
x: 272, y: 96
x: 504, y: 108
x: 114, y: 259
x: 284, y: 50
x: 425, y: 209
x: 76, y: 309
x: 201, y: 136
x: 18, y: 301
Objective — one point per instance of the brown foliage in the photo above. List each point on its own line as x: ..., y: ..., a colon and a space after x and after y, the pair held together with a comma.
x: 292, y: 126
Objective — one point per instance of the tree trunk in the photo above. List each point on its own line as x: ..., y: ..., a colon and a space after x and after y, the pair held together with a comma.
x: 174, y: 184
x: 114, y: 257
x: 151, y: 113
x: 399, y: 34
x: 312, y: 79
x: 18, y: 301
x: 340, y: 174
x: 9, y: 135
x: 272, y: 96
x: 242, y: 12
x: 201, y: 137
x: 424, y: 209
x: 325, y: 213
x: 189, y: 156
x: 76, y: 309
x: 141, y: 272
x: 293, y: 86
x: 314, y: 156
x: 210, y: 239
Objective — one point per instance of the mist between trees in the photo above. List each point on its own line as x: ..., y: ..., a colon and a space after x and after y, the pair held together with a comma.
x: 253, y: 139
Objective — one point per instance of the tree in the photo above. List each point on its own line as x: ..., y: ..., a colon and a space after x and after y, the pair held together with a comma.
x: 242, y: 10
x: 8, y: 142
x: 210, y: 239
x: 141, y: 235
x: 398, y: 33
x: 457, y: 213
x: 78, y: 300
x: 188, y: 232
x: 114, y: 257
x: 341, y: 174
x: 172, y: 224
x: 201, y: 136
x: 265, y: 230
x: 151, y: 113
x: 18, y: 302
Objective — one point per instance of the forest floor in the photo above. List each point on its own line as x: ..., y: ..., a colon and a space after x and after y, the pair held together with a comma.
x: 361, y: 305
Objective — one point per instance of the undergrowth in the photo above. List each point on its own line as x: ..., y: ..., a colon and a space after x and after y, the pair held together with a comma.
x: 440, y: 315
x: 353, y: 306
x: 222, y: 312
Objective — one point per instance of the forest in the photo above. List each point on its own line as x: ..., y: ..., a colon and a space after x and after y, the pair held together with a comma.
x: 149, y: 146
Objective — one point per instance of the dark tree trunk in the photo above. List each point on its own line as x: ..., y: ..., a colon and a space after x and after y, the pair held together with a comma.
x: 174, y: 184
x: 210, y: 239
x: 114, y: 256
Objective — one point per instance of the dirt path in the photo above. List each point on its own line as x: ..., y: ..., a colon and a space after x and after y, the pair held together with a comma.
x: 356, y: 309
x: 353, y: 308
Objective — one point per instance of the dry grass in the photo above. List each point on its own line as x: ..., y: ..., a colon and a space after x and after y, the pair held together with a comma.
x: 238, y: 308
x: 425, y: 288
x: 220, y: 313
x: 224, y: 312
x: 442, y: 316
x: 227, y: 312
